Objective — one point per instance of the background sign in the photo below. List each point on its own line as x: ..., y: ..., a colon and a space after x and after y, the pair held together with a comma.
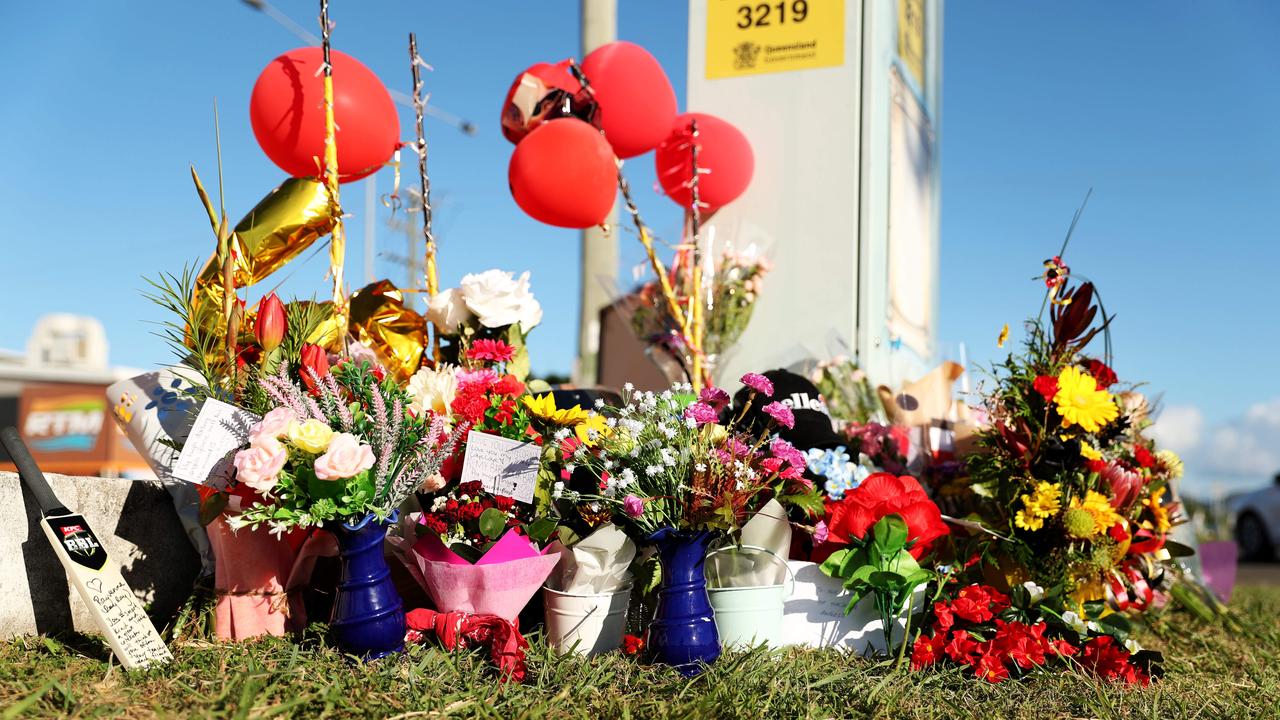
x: 750, y: 38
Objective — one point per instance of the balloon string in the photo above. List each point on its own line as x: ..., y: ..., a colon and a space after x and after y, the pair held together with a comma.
x: 338, y: 245
x: 428, y: 236
x: 695, y: 285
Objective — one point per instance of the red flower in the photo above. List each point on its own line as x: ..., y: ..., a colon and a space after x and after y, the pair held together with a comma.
x: 505, y: 412
x: 1105, y: 376
x: 990, y: 667
x: 315, y: 364
x: 471, y: 403
x: 434, y: 524
x: 1143, y: 456
x: 961, y: 648
x: 1109, y: 661
x: 632, y: 644
x: 927, y: 650
x: 1047, y: 386
x: 492, y: 350
x: 1096, y: 466
x: 1016, y: 642
x: 944, y: 618
x: 508, y: 385
x: 975, y: 610
x: 879, y: 495
x: 1061, y: 648
x: 270, y: 326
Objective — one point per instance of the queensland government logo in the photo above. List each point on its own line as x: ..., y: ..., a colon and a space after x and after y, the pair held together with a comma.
x: 745, y: 55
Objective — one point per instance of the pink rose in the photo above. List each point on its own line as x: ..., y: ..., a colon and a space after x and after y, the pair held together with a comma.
x: 433, y: 483
x: 345, y: 458
x: 259, y: 466
x: 633, y: 506
x: 272, y: 425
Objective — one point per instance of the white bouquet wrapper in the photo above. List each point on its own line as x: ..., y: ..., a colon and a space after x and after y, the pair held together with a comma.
x: 597, y: 564
x: 768, y: 529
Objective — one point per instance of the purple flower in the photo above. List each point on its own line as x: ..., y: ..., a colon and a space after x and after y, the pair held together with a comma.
x: 780, y: 448
x: 715, y: 397
x: 633, y: 506
x: 780, y: 413
x: 820, y: 532
x: 701, y: 413
x: 759, y: 383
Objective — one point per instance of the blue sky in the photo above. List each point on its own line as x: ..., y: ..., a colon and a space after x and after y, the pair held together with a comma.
x: 1167, y: 110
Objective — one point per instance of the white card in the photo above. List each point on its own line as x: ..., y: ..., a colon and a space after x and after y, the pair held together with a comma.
x: 219, y: 431
x: 501, y: 466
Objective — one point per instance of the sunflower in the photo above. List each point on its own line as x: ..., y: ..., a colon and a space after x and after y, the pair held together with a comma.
x: 544, y: 408
x: 592, y: 427
x: 1081, y: 402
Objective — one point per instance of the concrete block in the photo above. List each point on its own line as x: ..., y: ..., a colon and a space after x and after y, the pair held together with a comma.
x: 136, y: 522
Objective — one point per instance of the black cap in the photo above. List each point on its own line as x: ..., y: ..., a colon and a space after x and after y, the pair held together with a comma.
x: 813, y: 422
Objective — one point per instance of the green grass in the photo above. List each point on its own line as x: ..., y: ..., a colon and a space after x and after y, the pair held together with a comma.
x: 1211, y: 673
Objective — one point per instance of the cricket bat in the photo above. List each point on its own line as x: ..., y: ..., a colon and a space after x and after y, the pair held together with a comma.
x: 115, y: 609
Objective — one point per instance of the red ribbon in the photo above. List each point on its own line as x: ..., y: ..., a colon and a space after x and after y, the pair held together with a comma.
x: 456, y: 628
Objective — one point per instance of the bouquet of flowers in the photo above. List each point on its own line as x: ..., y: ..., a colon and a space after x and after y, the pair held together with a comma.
x: 667, y: 462
x: 847, y: 391
x: 490, y: 306
x: 878, y: 448
x: 1073, y: 492
x: 1000, y: 635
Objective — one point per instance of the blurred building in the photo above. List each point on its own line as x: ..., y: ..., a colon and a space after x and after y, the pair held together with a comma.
x: 55, y: 394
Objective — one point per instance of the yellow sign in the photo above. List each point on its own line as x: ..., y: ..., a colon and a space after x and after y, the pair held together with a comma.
x: 750, y: 38
x: 911, y: 37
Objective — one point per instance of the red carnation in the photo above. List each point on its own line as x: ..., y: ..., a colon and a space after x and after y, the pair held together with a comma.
x: 879, y: 495
x: 1096, y: 466
x: 491, y: 350
x: 1047, y: 386
x: 434, y: 524
x: 1103, y: 375
x: 508, y: 385
x: 1143, y: 456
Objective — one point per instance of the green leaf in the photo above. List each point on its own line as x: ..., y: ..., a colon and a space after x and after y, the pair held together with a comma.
x: 1177, y: 549
x: 493, y: 522
x: 890, y: 534
x: 854, y: 597
x: 567, y: 536
x: 539, y: 530
x: 518, y: 365
x: 886, y: 579
x: 985, y: 489
x: 834, y: 564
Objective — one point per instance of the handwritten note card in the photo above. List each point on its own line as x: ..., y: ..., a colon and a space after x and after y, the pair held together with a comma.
x: 126, y: 625
x: 220, y: 430
x: 501, y: 466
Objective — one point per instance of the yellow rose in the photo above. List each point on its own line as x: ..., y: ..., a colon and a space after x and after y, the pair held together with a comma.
x: 311, y: 436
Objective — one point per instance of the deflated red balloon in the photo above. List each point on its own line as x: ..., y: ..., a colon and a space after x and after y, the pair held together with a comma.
x: 287, y: 113
x: 563, y: 174
x: 637, y: 104
x: 724, y: 157
x: 532, y: 91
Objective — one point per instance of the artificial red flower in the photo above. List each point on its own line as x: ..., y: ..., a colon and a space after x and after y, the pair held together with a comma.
x: 1143, y: 456
x: 1016, y: 642
x: 879, y: 495
x: 271, y: 324
x: 990, y: 667
x: 1105, y: 376
x: 492, y: 350
x: 1110, y: 661
x: 315, y: 364
x: 961, y: 648
x: 927, y: 650
x: 1047, y: 386
x: 943, y: 616
x: 975, y: 610
x: 632, y: 644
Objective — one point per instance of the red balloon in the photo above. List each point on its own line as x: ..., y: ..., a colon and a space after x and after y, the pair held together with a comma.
x: 724, y: 156
x: 563, y: 174
x: 287, y: 113
x: 526, y: 105
x: 637, y: 104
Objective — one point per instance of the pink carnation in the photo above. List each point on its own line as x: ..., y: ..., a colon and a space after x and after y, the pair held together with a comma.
x: 345, y: 458
x: 780, y: 413
x: 759, y: 383
x: 633, y: 506
x: 820, y: 532
x: 259, y: 466
x: 715, y: 397
x: 701, y: 413
x: 782, y: 449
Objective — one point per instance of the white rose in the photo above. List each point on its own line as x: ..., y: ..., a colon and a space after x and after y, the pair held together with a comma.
x: 433, y: 389
x: 447, y: 311
x: 500, y: 300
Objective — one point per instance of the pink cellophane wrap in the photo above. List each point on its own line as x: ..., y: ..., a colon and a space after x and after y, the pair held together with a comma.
x: 500, y: 583
x: 256, y: 575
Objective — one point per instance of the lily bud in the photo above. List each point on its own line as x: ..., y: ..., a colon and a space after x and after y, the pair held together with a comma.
x: 271, y: 323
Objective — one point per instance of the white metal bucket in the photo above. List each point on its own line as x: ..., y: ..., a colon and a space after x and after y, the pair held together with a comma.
x: 750, y: 615
x: 586, y: 624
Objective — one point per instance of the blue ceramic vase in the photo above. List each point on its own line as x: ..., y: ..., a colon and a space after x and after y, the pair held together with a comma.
x: 368, y: 617
x: 683, y: 633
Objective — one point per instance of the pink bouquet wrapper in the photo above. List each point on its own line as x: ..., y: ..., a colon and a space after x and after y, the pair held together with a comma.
x: 500, y: 583
x: 256, y: 577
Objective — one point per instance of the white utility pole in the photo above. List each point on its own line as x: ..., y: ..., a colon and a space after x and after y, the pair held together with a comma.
x: 599, y: 247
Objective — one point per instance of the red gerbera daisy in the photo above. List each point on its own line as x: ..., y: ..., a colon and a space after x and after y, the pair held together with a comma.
x: 492, y: 350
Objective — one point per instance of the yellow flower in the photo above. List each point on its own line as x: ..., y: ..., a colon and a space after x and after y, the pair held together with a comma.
x: 1172, y: 463
x: 1004, y: 335
x: 591, y: 429
x: 1027, y: 521
x: 1080, y: 402
x: 544, y: 407
x: 311, y: 436
x: 1045, y: 502
x: 1099, y: 509
x: 1089, y: 452
x: 1161, y: 524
